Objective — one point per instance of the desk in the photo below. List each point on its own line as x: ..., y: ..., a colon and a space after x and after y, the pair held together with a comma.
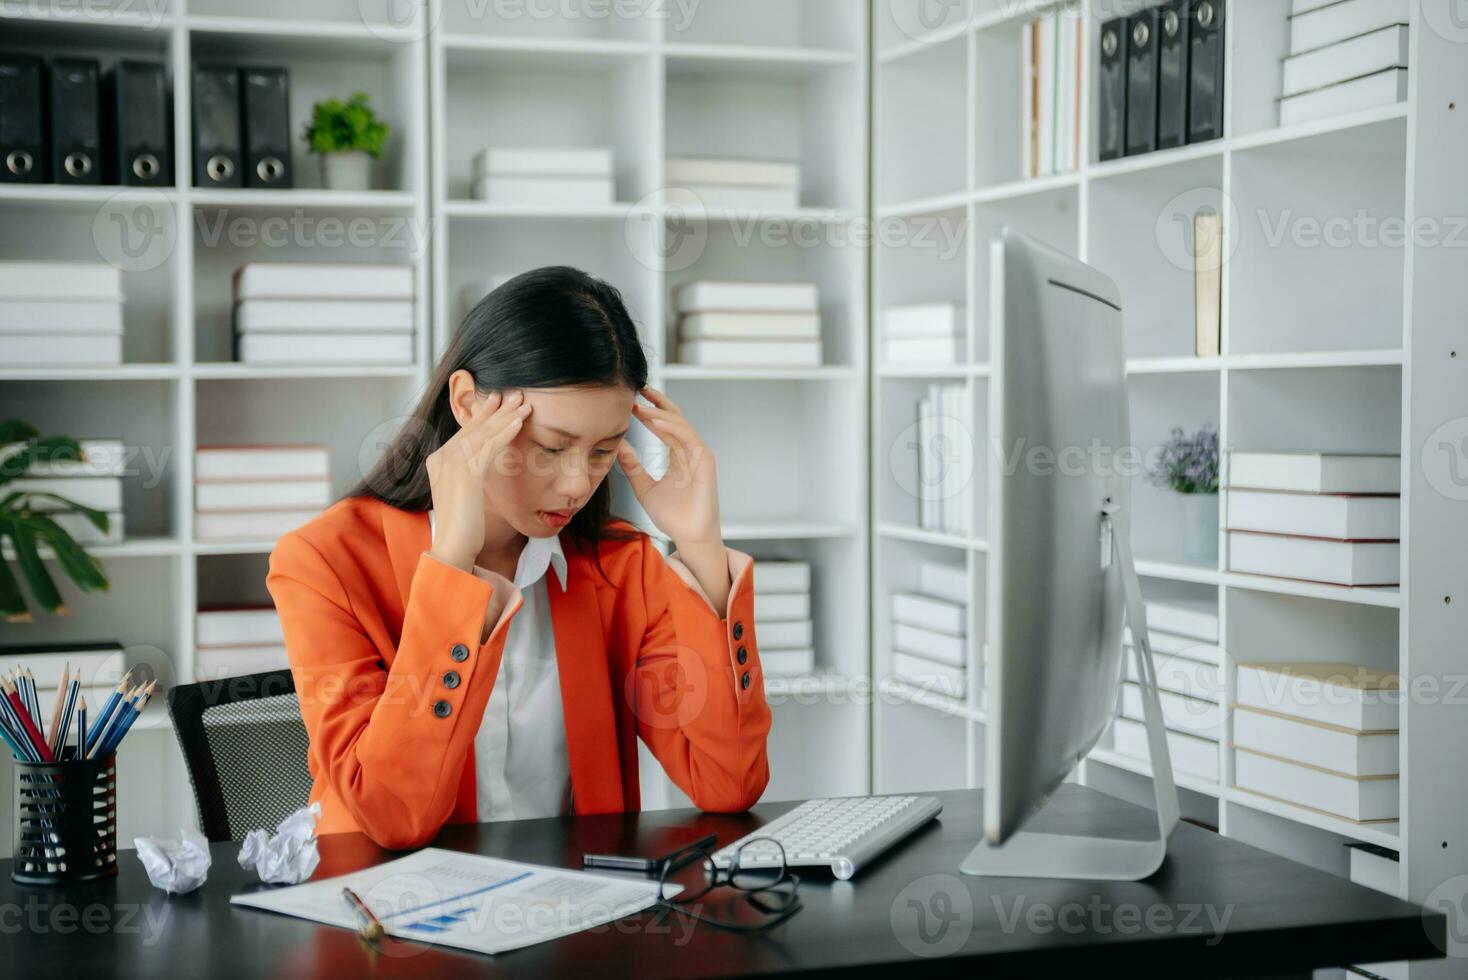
x: 1282, y: 918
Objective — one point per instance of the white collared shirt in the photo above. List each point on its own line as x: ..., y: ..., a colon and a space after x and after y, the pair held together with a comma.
x: 521, y: 768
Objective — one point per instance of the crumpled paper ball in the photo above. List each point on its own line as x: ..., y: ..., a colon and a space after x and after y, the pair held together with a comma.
x: 175, y: 866
x: 288, y: 856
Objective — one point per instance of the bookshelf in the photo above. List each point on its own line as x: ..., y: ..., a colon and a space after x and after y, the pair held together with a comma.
x: 1341, y: 345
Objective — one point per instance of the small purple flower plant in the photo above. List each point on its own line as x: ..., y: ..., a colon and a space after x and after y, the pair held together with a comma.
x: 1188, y: 464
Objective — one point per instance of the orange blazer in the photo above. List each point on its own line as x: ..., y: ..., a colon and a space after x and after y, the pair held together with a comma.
x: 394, y: 654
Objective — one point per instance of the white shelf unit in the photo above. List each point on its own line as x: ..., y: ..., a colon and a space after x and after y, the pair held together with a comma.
x: 178, y: 387
x: 1335, y: 344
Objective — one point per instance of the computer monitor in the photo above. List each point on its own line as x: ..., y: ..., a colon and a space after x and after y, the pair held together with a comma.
x: 1060, y: 569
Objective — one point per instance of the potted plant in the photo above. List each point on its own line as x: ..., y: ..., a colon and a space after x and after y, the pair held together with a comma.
x: 26, y: 528
x: 1188, y: 465
x: 348, y: 136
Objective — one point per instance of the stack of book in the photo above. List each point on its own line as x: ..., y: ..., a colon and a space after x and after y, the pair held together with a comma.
x: 60, y: 313
x: 1320, y: 517
x: 782, y: 609
x: 95, y: 481
x: 562, y: 177
x: 1345, y: 56
x: 1187, y: 662
x: 1050, y: 88
x: 929, y: 631
x: 1319, y: 735
x: 99, y: 665
x: 321, y: 313
x: 748, y: 324
x: 945, y: 479
x: 762, y: 185
x: 257, y: 492
x: 923, y: 333
x: 235, y: 640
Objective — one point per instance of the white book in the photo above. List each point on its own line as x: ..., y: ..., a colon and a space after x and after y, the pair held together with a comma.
x: 97, y: 349
x: 238, y: 626
x: 776, y: 607
x: 1046, y: 90
x: 732, y: 196
x: 214, y: 663
x: 947, y: 506
x: 1333, y: 22
x: 930, y: 644
x: 1189, y: 753
x: 30, y: 316
x: 98, y: 664
x: 932, y: 675
x: 929, y: 514
x: 705, y: 295
x: 319, y: 316
x: 1196, y: 618
x: 249, y: 525
x: 752, y: 325
x: 1355, y: 517
x: 1362, y: 800
x: 1180, y: 675
x: 1376, y: 867
x: 787, y: 663
x: 1316, y: 472
x: 97, y: 492
x: 929, y: 613
x: 707, y: 170
x: 100, y: 457
x: 545, y: 191
x: 1065, y: 137
x: 263, y: 462
x: 1363, y: 699
x: 1027, y: 96
x: 942, y: 581
x: 1367, y: 92
x: 910, y: 351
x: 793, y: 635
x: 923, y: 320
x: 84, y: 532
x: 323, y: 280
x: 586, y: 161
x: 750, y: 353
x: 774, y: 577
x: 1331, y: 747
x: 325, y: 348
x: 1176, y: 645
x: 261, y: 495
x: 1351, y: 58
x: 1302, y: 6
x: 1181, y: 713
x: 47, y: 280
x: 1356, y: 563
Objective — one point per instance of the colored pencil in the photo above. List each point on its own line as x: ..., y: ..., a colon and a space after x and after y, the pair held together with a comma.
x: 13, y: 728
x: 81, y: 728
x: 134, y: 709
x: 66, y: 698
x: 56, y: 708
x: 104, y: 714
x: 28, y: 724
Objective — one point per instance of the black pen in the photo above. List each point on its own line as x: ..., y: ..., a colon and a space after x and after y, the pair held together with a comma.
x: 618, y: 862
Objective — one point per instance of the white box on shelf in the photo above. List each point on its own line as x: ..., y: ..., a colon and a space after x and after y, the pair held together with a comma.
x: 784, y: 636
x: 1316, y: 472
x: 1334, y: 22
x: 323, y: 280
x: 923, y: 320
x: 1196, y: 618
x: 710, y: 170
x: 927, y: 612
x: 1190, y: 754
x: 238, y: 626
x: 943, y: 581
x: 781, y: 576
x: 1370, y: 799
x: 24, y: 279
x: 1367, y: 92
x: 787, y: 663
x: 530, y: 191
x: 97, y: 492
x: 932, y: 675
x: 213, y: 663
x: 261, y: 495
x: 325, y: 348
x: 775, y: 607
x: 751, y: 198
x: 915, y: 351
x: 41, y: 317
x: 261, y: 462
x: 320, y: 316
x: 750, y: 353
x: 1358, y: 517
x: 1348, y: 59
x: 1361, y: 698
x: 1181, y: 675
x: 1176, y: 645
x: 570, y: 161
x: 1342, y: 750
x: 61, y: 350
x: 929, y: 644
x: 98, y: 664
x: 715, y: 295
x: 100, y: 457
x: 1180, y: 713
x: 750, y: 325
x: 249, y: 525
x: 1356, y: 563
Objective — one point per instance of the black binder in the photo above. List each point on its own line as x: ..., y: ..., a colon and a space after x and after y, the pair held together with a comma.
x: 76, y: 121
x: 1172, y: 74
x: 1205, y: 70
x: 141, y: 141
x: 1141, y: 83
x: 22, y: 120
x: 265, y: 112
x: 1111, y: 135
x: 217, y: 158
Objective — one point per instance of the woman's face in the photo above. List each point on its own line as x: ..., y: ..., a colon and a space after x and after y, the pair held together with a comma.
x: 560, y: 456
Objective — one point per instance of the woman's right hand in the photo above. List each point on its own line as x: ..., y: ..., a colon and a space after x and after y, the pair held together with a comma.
x: 456, y: 476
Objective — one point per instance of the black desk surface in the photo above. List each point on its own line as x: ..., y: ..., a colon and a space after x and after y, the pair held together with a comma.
x: 1282, y: 918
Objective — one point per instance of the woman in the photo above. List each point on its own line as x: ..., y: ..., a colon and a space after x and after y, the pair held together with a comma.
x: 474, y: 636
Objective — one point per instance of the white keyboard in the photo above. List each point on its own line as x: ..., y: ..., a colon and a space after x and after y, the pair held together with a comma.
x: 842, y: 834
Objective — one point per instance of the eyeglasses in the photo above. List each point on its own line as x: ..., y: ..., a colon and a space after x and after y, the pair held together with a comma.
x: 757, y: 873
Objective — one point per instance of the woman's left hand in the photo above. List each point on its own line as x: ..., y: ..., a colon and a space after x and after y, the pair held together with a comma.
x: 684, y: 504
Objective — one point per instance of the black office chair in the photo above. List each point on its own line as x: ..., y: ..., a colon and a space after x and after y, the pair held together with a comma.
x: 246, y: 749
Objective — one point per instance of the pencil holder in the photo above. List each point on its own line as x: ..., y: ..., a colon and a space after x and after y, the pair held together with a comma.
x: 65, y: 820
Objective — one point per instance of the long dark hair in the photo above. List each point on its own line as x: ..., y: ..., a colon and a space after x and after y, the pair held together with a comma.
x: 549, y: 327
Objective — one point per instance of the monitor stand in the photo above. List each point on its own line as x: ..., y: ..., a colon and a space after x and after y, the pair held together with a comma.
x: 1031, y: 854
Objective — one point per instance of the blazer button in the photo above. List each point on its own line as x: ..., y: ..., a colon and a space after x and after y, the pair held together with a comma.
x: 459, y: 652
x: 451, y: 679
x: 743, y: 654
x: 442, y: 708
x: 738, y: 630
x: 744, y: 681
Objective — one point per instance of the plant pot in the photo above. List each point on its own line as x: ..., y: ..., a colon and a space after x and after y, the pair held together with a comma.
x: 347, y: 170
x: 1200, y: 528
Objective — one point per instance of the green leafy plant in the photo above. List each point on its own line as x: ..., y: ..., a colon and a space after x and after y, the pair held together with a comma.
x: 26, y: 528
x: 351, y: 125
